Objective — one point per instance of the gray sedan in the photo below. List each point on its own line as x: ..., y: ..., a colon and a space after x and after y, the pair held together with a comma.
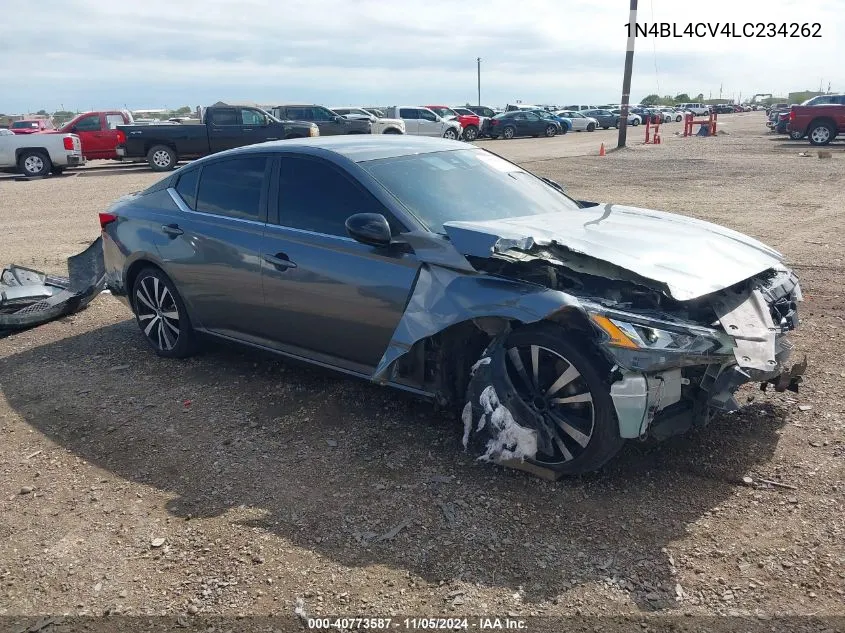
x: 605, y: 118
x: 556, y: 329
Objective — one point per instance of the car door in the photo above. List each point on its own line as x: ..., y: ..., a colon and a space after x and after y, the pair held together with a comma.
x: 257, y: 128
x: 90, y: 130
x: 430, y: 124
x: 535, y: 124
x: 210, y: 245
x: 224, y: 128
x: 411, y: 117
x: 325, y: 118
x: 327, y: 296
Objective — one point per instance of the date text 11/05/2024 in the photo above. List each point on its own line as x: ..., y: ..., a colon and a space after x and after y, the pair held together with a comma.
x: 421, y: 623
x: 724, y: 29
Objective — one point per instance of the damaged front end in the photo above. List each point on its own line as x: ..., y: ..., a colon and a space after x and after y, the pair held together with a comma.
x: 672, y: 373
x: 29, y: 297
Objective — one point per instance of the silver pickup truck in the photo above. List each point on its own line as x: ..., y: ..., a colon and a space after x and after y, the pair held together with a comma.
x: 40, y: 154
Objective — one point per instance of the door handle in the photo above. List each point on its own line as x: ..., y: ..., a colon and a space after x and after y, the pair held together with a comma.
x: 272, y: 138
x: 279, y: 260
x: 172, y: 230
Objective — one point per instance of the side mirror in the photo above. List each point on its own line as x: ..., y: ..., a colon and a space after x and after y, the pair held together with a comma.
x: 369, y: 228
x: 338, y: 119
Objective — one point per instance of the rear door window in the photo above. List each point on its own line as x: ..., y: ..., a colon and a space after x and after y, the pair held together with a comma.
x: 225, y: 116
x: 113, y: 120
x: 233, y: 188
x: 186, y: 187
x: 409, y: 113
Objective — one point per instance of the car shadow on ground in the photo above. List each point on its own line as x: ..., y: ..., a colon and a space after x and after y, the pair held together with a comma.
x: 365, y: 475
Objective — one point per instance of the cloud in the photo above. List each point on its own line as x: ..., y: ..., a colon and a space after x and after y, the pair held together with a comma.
x: 173, y: 52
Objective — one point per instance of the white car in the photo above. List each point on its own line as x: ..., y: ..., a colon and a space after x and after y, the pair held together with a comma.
x: 423, y: 122
x: 40, y: 154
x: 670, y: 114
x: 580, y: 123
x: 633, y: 119
x: 380, y: 125
x: 698, y: 109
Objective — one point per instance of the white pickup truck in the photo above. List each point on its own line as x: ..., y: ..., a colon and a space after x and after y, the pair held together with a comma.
x: 423, y: 122
x: 40, y: 154
x: 380, y: 124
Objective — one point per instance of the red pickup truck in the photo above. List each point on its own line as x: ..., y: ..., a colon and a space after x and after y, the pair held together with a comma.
x: 470, y: 123
x: 820, y: 123
x: 98, y: 132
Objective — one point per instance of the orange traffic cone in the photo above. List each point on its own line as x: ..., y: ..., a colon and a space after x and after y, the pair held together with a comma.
x: 601, y: 150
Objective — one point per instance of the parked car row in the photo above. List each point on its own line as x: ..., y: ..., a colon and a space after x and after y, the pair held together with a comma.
x: 820, y: 119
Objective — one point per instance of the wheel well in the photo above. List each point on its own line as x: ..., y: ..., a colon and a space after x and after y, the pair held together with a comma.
x: 149, y: 145
x: 442, y: 363
x: 822, y: 121
x: 290, y: 136
x: 38, y: 150
x: 134, y: 270
x: 392, y: 130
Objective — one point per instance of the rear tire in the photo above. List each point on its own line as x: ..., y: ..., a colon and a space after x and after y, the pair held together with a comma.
x: 509, y: 132
x: 34, y: 163
x: 161, y: 315
x: 161, y: 158
x: 573, y: 437
x: 470, y: 133
x: 795, y: 135
x: 821, y: 133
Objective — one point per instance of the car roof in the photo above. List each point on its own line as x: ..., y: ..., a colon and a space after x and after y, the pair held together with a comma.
x: 356, y: 147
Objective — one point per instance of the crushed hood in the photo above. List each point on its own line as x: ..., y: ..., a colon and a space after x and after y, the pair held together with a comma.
x: 687, y: 258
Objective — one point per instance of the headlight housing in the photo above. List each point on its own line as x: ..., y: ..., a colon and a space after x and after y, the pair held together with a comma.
x: 644, y: 343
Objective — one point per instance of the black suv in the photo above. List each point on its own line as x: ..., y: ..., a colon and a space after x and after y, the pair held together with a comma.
x: 329, y: 122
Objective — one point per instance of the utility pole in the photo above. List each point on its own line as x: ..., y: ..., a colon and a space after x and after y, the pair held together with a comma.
x: 478, y: 61
x: 626, y: 79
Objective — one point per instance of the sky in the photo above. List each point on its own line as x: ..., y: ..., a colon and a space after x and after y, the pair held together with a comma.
x: 97, y: 54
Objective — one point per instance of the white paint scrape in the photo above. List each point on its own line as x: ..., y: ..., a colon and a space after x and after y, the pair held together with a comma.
x: 508, y: 440
x: 484, y: 360
x: 466, y: 417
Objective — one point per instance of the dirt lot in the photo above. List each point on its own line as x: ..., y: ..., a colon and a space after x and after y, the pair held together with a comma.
x: 235, y: 483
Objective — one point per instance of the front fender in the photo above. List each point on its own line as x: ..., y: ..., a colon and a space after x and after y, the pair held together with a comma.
x: 442, y: 297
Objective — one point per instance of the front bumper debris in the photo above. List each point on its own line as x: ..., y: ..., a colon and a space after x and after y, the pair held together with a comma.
x: 29, y: 297
x: 674, y: 399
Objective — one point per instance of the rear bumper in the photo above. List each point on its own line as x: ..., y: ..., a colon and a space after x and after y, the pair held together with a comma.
x: 75, y: 161
x: 120, y: 151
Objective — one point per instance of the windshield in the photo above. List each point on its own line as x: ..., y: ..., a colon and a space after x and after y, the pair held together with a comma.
x: 444, y: 112
x: 465, y: 185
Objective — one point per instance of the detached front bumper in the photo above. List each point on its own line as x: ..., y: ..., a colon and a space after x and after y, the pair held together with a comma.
x: 663, y: 400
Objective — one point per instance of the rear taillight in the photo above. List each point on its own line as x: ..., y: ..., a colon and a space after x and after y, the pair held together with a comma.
x: 106, y: 219
x: 68, y: 142
x: 792, y: 115
x: 121, y: 137
x: 494, y: 122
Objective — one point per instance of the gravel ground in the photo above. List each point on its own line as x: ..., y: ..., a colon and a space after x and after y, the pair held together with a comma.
x: 236, y: 483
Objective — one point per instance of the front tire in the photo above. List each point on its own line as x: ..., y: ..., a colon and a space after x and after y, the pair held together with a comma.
x: 795, y: 135
x: 161, y: 315
x: 635, y: 122
x: 161, y: 158
x: 451, y: 134
x: 34, y: 163
x: 551, y: 131
x: 591, y: 127
x: 552, y: 389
